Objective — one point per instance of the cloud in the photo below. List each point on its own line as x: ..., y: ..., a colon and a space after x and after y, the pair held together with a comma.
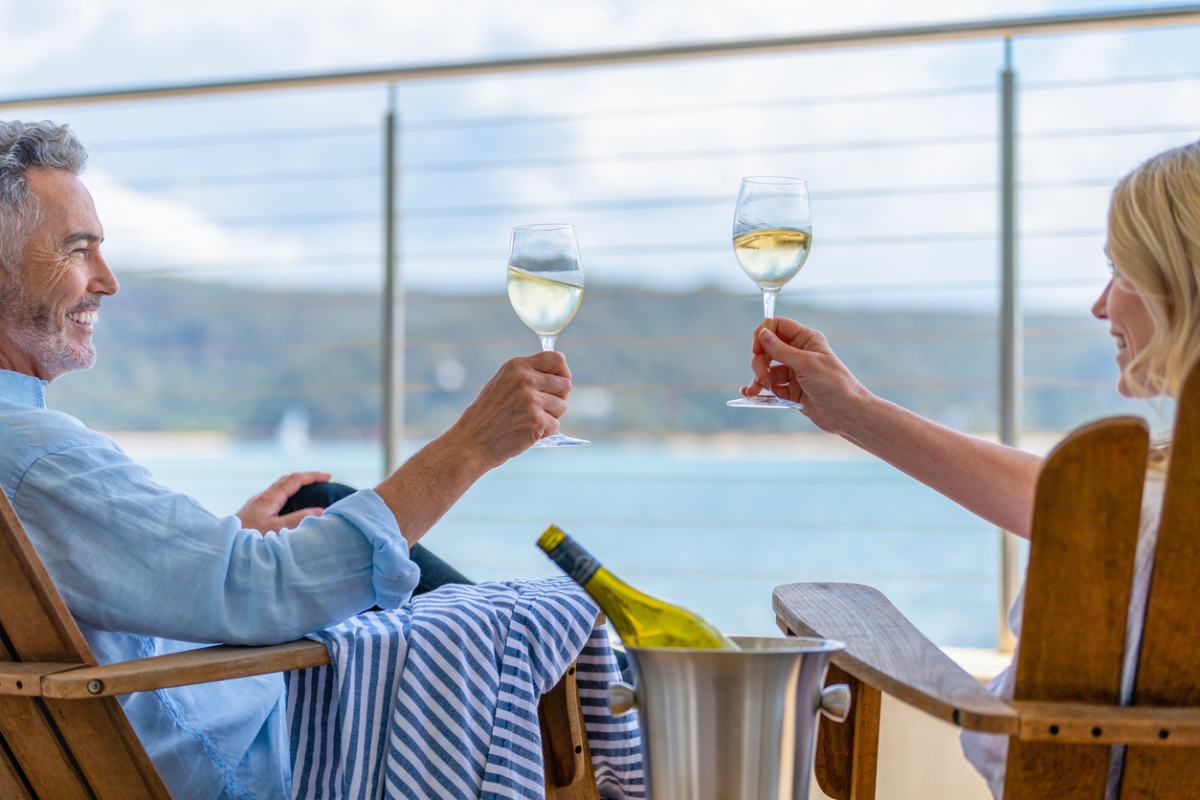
x: 864, y: 244
x: 150, y: 234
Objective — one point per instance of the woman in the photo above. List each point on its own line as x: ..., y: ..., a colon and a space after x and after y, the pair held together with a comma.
x: 1152, y: 307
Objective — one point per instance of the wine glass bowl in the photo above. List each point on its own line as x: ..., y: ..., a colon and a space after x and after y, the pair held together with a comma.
x: 772, y: 237
x: 545, y: 287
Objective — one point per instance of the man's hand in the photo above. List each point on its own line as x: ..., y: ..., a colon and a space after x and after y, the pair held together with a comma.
x: 519, y: 405
x: 261, y: 512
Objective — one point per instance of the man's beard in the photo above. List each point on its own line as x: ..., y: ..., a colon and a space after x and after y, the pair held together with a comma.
x: 37, y: 331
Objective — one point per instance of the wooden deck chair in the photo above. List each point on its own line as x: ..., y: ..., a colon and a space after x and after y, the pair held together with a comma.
x: 1065, y: 715
x: 63, y: 736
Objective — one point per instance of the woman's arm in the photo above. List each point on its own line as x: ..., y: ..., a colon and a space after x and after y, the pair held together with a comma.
x: 988, y: 479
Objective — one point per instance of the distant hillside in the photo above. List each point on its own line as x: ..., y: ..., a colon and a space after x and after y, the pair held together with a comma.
x: 185, y: 356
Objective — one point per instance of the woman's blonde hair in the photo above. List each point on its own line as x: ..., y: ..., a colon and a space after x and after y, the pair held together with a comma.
x: 1154, y: 244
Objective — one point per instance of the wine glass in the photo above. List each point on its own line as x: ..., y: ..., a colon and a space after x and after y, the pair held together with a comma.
x: 772, y: 234
x: 545, y: 287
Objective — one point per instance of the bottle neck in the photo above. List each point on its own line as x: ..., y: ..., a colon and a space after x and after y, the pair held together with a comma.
x: 575, y: 561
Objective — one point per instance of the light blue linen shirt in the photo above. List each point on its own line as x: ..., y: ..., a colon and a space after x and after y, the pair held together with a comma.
x: 147, y: 571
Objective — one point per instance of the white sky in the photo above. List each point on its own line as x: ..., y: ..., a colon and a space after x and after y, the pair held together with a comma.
x: 872, y: 244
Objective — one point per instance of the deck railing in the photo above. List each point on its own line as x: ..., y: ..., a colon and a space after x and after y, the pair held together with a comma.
x: 413, y: 123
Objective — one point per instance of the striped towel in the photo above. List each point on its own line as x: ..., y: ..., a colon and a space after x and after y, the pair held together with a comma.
x: 438, y: 699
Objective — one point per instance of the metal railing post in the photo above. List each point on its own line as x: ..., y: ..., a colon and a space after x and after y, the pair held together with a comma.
x: 392, y: 339
x: 1010, y: 324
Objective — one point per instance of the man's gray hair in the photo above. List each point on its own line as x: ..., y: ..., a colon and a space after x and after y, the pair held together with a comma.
x: 24, y: 145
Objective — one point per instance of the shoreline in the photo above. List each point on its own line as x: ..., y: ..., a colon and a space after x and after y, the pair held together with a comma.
x: 720, y: 445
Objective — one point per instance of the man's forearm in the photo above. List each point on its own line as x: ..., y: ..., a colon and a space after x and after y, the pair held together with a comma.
x: 426, y: 485
x: 988, y: 479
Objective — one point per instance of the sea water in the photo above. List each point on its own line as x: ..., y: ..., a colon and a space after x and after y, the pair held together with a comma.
x: 714, y: 529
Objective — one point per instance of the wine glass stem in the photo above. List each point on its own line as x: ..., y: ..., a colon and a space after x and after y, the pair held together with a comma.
x: 769, y: 296
x: 548, y: 343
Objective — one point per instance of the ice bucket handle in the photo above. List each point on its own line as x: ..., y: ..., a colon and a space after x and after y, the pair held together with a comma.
x: 835, y: 701
x: 622, y: 698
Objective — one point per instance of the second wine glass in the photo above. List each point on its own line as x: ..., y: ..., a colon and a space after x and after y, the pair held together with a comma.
x: 772, y: 235
x: 545, y: 287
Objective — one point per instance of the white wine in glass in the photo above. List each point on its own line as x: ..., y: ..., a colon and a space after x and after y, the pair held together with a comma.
x: 545, y: 287
x: 772, y: 236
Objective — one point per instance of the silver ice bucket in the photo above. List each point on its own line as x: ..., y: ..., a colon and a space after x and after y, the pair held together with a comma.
x: 731, y: 725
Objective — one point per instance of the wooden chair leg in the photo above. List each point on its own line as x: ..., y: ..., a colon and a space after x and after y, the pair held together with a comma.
x: 847, y: 756
x: 848, y: 752
x: 568, y: 760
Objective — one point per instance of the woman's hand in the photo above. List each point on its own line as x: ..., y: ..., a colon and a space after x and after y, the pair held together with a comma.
x: 991, y: 480
x: 808, y: 372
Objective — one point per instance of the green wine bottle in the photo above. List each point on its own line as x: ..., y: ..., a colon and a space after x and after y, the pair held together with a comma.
x: 640, y: 620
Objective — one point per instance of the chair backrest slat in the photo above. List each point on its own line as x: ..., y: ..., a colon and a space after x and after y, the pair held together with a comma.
x: 12, y: 785
x: 34, y: 618
x: 64, y: 748
x: 41, y: 757
x: 1169, y: 660
x: 1084, y: 541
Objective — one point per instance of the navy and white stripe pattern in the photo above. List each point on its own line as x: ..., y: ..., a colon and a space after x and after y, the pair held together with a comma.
x: 438, y: 699
x: 615, y: 742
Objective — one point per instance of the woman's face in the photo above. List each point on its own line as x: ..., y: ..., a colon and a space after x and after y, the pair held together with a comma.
x: 1129, y: 323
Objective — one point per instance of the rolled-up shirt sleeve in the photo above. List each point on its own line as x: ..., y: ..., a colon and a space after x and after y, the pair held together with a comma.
x: 130, y: 555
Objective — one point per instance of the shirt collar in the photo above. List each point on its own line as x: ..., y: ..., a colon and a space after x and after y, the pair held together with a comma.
x: 22, y: 389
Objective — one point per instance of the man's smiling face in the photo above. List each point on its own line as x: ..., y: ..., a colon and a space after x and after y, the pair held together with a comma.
x: 50, y: 302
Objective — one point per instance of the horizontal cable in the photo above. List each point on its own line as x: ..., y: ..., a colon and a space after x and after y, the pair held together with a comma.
x: 542, y: 162
x: 709, y: 524
x: 235, y: 137
x: 329, y: 176
x: 793, y: 298
x: 637, y: 112
x: 372, y: 215
x: 256, y: 178
x: 519, y: 343
x: 746, y: 576
x: 708, y: 153
x: 645, y: 112
x: 1065, y: 383
x: 1123, y: 130
x: 619, y: 389
x: 1111, y: 80
x: 624, y: 476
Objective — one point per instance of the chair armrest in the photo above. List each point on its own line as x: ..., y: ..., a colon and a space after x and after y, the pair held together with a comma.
x: 1083, y: 723
x: 208, y: 664
x: 24, y: 678
x: 885, y: 651
x: 205, y: 665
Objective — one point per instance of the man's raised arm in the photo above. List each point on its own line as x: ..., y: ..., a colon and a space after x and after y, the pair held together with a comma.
x: 519, y: 405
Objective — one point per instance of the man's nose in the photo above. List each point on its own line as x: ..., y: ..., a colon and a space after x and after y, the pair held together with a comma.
x: 103, y: 280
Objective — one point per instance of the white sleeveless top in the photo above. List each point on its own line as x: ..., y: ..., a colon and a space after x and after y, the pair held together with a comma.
x: 988, y: 752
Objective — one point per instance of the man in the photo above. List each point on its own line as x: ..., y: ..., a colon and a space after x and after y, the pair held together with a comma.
x: 148, y: 571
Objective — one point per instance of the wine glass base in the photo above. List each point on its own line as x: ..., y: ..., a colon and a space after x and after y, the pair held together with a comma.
x: 763, y: 401
x: 558, y: 440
